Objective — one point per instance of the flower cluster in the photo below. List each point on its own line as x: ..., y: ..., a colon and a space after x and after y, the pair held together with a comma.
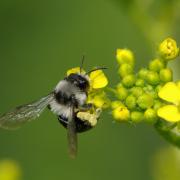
x: 149, y: 95
x: 146, y: 95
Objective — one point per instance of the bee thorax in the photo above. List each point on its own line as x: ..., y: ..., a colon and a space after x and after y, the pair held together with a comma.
x: 68, y: 94
x: 60, y: 109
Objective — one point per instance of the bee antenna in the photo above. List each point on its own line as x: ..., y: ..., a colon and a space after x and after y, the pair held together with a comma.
x: 82, y: 63
x: 98, y: 68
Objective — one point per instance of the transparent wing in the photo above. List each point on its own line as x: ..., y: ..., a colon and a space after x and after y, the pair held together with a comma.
x: 72, y: 135
x: 22, y: 114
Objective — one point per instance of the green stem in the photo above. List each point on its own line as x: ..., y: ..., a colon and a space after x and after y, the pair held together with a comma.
x: 170, y: 133
x: 111, y: 90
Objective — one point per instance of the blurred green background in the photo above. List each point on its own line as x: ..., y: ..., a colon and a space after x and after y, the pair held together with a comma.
x: 39, y: 41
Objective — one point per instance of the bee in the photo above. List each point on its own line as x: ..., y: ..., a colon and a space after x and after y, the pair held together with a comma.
x: 68, y: 101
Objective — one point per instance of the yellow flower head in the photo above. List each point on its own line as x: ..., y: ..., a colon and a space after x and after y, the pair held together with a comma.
x: 170, y: 92
x: 121, y: 113
x: 168, y: 49
x: 9, y: 170
x: 125, y: 56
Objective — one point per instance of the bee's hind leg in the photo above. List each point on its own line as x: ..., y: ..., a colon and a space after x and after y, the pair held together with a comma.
x: 90, y: 118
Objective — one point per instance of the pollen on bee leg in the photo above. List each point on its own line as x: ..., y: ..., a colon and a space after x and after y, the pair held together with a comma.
x: 92, y: 120
x: 86, y: 116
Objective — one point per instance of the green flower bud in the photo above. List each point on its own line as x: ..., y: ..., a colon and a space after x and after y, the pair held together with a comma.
x: 158, y: 88
x: 166, y: 75
x: 125, y: 56
x: 142, y: 73
x: 119, y: 85
x: 125, y: 69
x: 130, y: 102
x: 150, y: 116
x: 139, y: 82
x: 145, y: 101
x: 136, y: 91
x: 156, y: 65
x: 137, y: 116
x: 148, y: 88
x: 152, y: 78
x: 122, y: 93
x: 129, y: 80
x: 157, y: 104
x: 116, y: 104
x: 154, y: 94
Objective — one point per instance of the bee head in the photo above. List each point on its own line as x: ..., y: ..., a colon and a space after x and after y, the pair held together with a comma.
x: 79, y: 80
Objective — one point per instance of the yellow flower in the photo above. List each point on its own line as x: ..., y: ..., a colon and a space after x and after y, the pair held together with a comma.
x: 168, y: 49
x: 121, y: 113
x: 98, y: 79
x: 99, y: 99
x: 9, y: 170
x: 75, y: 70
x: 125, y: 56
x: 170, y: 92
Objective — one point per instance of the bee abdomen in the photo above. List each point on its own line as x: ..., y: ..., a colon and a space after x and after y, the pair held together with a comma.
x: 81, y: 126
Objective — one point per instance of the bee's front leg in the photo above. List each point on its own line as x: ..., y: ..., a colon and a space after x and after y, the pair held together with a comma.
x: 85, y: 107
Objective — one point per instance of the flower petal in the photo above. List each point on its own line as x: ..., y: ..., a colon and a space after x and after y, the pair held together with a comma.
x: 170, y: 92
x: 74, y: 70
x: 169, y: 113
x: 99, y: 99
x: 98, y: 79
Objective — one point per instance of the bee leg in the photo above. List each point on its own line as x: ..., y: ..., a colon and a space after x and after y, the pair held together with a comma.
x: 49, y: 107
x: 98, y: 112
x: 85, y: 107
x: 93, y: 118
x: 90, y: 122
x: 87, y: 118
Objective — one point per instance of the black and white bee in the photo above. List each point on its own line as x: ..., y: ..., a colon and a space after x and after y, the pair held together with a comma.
x: 67, y: 101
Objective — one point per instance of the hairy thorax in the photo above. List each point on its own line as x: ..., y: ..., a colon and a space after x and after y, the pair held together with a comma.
x: 65, y: 94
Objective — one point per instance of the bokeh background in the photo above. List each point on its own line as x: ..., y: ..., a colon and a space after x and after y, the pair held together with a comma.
x: 39, y: 41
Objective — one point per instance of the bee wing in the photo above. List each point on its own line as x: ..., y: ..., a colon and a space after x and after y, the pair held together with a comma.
x: 72, y: 135
x: 24, y: 113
